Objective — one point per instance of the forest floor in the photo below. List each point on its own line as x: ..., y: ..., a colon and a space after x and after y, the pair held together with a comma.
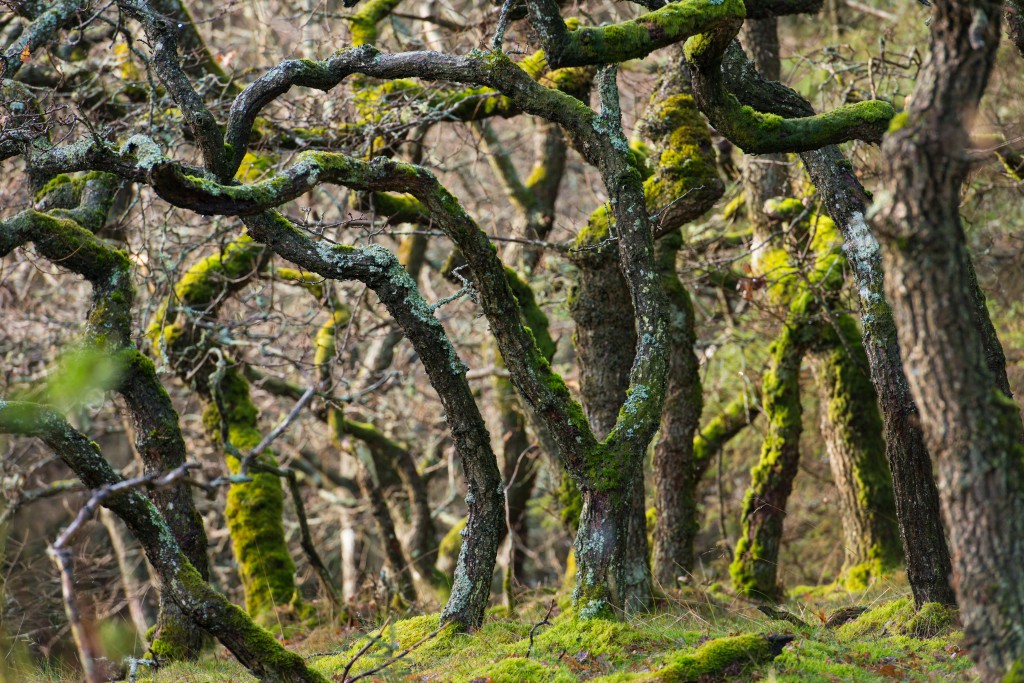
x: 704, y: 635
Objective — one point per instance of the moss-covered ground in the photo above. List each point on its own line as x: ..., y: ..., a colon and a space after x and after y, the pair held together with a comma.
x: 699, y: 635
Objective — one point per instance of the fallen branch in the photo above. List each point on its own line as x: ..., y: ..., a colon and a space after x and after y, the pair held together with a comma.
x: 782, y: 615
x: 843, y: 616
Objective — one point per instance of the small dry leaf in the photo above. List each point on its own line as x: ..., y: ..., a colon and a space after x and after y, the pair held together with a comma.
x: 26, y: 55
x: 889, y: 671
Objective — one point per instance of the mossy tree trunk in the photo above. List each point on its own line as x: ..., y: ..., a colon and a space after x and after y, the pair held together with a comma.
x: 254, y: 508
x: 971, y: 427
x: 108, y: 331
x: 852, y: 429
x: 846, y: 200
x: 754, y: 568
x: 708, y: 443
x: 850, y: 423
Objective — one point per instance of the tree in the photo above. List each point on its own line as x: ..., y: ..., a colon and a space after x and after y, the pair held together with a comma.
x: 227, y: 154
x: 970, y: 425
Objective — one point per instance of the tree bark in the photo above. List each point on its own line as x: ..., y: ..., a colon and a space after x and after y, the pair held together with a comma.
x: 971, y: 427
x: 917, y: 498
x: 852, y: 429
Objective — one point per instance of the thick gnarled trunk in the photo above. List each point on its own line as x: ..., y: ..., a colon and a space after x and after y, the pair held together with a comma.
x: 971, y: 427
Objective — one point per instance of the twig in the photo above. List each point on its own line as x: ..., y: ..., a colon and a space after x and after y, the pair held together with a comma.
x: 400, y: 655
x: 546, y: 621
x: 503, y: 19
x: 278, y: 430
x: 873, y: 11
x: 61, y: 555
x: 363, y: 650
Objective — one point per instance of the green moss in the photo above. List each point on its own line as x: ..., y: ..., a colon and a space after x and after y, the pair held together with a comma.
x: 520, y: 670
x: 171, y: 646
x: 570, y: 503
x: 714, y: 657
x: 574, y: 632
x: 900, y: 617
x: 207, y: 280
x: 396, y: 637
x: 59, y: 181
x: 254, y: 509
x: 636, y: 38
x: 898, y: 121
x: 363, y: 24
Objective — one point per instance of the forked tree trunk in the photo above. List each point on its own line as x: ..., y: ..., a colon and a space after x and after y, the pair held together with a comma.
x: 675, y: 471
x: 611, y: 542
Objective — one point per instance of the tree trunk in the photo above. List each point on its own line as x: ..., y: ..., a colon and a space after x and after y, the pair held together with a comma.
x: 611, y: 547
x: 971, y: 427
x: 391, y: 546
x: 754, y: 568
x: 160, y: 445
x: 675, y: 470
x: 852, y: 428
x: 917, y: 498
x: 611, y: 553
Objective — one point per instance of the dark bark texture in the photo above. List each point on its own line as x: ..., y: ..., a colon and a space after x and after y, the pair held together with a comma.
x: 972, y: 428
